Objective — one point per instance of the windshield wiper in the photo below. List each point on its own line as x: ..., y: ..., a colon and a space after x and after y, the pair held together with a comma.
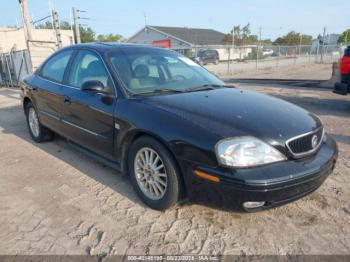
x: 160, y: 90
x: 203, y: 88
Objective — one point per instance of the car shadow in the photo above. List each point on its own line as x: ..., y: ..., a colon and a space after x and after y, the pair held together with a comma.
x: 12, y: 121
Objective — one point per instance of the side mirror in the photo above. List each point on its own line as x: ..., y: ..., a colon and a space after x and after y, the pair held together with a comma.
x: 93, y: 86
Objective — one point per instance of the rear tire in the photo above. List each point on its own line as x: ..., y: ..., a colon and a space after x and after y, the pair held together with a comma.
x: 37, y: 131
x: 216, y: 62
x: 154, y: 173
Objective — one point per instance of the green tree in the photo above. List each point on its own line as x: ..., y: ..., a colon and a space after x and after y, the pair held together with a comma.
x: 242, y: 36
x: 293, y: 38
x: 344, y: 37
x: 86, y: 34
x: 48, y: 25
x: 110, y: 38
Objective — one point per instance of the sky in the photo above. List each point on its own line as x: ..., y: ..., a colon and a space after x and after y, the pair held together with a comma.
x: 275, y: 17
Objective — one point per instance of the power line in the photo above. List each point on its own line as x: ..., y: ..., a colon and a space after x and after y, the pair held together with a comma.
x: 41, y: 19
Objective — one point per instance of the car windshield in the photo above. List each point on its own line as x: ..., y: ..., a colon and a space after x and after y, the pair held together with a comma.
x: 151, y: 70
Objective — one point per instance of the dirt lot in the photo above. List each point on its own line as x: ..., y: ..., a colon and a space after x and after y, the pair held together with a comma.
x: 53, y: 200
x: 268, y: 70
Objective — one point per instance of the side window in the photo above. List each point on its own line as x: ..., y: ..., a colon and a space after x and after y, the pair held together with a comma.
x: 55, y: 67
x: 88, y: 66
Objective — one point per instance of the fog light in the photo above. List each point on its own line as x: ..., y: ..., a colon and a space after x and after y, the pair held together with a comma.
x: 249, y: 205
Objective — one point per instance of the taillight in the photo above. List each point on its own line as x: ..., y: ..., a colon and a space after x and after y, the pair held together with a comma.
x: 345, y: 65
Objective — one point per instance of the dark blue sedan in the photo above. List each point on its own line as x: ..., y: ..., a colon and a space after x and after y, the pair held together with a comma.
x: 176, y: 129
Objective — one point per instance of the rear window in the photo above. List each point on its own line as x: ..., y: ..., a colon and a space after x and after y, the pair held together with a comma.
x: 55, y: 67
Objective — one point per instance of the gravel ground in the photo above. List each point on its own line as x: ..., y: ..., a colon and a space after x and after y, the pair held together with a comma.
x: 54, y: 200
x: 269, y: 71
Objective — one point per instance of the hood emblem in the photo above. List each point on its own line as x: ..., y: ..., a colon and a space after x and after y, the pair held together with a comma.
x: 314, y: 141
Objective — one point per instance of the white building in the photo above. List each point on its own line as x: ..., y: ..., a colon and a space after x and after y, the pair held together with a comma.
x: 183, y: 39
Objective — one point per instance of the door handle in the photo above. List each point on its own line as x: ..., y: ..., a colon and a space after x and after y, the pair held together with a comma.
x: 67, y: 100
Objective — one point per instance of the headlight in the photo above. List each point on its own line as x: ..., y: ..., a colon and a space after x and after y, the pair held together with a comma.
x: 246, y: 152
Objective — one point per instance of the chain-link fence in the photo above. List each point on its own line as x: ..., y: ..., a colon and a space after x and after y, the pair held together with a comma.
x: 14, y: 66
x: 240, y: 58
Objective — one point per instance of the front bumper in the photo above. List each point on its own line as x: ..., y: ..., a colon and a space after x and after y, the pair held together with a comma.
x: 275, y: 184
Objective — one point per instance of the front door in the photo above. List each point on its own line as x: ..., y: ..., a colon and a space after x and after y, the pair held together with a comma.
x: 87, y: 117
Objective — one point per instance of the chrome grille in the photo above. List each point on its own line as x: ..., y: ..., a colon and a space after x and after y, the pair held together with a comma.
x: 305, y: 144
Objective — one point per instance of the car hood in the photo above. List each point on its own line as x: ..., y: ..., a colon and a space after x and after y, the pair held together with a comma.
x: 230, y: 112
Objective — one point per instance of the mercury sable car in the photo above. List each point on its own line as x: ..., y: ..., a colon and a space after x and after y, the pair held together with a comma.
x: 175, y: 128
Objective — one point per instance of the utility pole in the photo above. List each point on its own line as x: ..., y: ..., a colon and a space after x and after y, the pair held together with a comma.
x: 145, y: 17
x: 301, y: 40
x: 76, y: 25
x: 233, y: 45
x: 50, y: 5
x: 27, y: 27
x: 57, y: 28
x: 26, y: 20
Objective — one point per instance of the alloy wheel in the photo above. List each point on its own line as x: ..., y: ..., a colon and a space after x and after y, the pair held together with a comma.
x: 33, y: 122
x: 150, y: 173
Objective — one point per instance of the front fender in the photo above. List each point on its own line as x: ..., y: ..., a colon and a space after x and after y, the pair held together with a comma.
x: 184, y: 139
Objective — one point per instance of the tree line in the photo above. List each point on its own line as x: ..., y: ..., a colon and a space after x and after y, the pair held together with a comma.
x: 242, y: 36
x: 86, y: 33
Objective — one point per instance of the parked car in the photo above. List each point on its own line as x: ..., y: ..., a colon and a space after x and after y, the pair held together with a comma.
x: 204, y: 57
x: 175, y: 128
x: 343, y: 87
x: 267, y: 52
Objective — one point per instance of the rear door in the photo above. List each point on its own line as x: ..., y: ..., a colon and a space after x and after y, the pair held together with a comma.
x: 48, y: 89
x: 87, y: 117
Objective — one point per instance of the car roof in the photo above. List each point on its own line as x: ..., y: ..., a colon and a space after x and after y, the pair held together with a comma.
x: 102, y: 47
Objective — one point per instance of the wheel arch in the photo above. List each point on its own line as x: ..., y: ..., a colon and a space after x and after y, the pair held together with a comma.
x: 133, y: 136
x: 26, y: 101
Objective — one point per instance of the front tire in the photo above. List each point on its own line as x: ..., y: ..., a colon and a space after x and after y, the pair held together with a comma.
x: 37, y: 131
x: 154, y: 173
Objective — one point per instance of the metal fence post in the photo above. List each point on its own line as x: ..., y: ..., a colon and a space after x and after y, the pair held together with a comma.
x: 9, y: 71
x: 257, y: 58
x: 228, y: 60
x: 310, y: 51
